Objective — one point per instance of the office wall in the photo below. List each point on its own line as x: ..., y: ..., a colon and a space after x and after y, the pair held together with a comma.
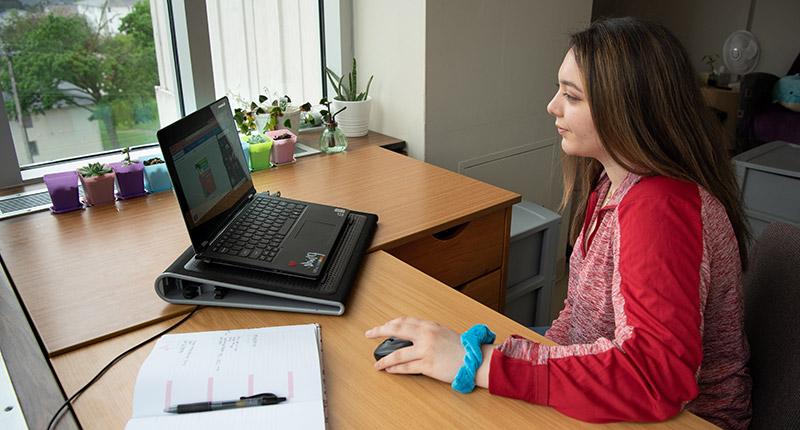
x: 389, y: 43
x: 703, y: 26
x: 776, y: 24
x: 466, y: 83
x: 490, y: 71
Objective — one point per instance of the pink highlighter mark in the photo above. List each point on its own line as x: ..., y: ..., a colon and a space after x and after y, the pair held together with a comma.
x: 168, y: 395
x: 211, y: 389
x: 250, y: 384
x: 290, y: 384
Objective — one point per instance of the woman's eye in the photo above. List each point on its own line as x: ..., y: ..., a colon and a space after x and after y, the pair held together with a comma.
x: 569, y: 97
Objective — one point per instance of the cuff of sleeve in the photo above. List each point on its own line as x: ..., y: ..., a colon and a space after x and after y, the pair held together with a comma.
x: 519, y: 379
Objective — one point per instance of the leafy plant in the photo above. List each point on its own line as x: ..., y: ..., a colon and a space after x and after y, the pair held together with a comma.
x: 246, y: 117
x: 94, y: 169
x: 710, y: 60
x: 348, y: 91
x: 327, y: 117
x: 278, y: 109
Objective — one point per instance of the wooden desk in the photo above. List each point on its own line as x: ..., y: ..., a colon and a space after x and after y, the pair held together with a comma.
x: 358, y: 396
x: 88, y: 275
x: 727, y: 101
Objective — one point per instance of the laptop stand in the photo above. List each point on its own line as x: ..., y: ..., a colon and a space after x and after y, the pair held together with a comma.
x: 189, y: 281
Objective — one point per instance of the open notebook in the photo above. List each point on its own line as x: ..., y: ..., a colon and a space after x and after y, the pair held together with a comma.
x: 225, y: 365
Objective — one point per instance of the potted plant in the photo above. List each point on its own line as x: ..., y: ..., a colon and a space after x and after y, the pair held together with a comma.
x: 712, y: 77
x: 258, y: 153
x: 282, y: 115
x: 156, y: 176
x: 354, y: 122
x: 130, y: 177
x: 63, y: 190
x: 255, y: 144
x: 98, y: 184
x: 332, y: 138
x: 283, y: 145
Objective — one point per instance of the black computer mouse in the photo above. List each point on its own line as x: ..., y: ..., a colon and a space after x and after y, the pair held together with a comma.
x: 389, y: 346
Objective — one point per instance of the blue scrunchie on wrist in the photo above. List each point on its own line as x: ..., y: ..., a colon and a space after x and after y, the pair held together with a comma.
x: 472, y: 340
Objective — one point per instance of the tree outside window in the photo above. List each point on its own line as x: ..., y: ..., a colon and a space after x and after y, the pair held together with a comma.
x: 85, y: 71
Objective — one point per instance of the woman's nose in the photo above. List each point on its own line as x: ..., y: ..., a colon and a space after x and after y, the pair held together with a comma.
x: 554, y: 107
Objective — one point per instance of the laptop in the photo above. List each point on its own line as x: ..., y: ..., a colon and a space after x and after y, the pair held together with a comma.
x: 228, y: 221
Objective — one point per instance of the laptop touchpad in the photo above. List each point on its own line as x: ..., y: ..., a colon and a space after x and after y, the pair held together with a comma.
x: 315, y: 231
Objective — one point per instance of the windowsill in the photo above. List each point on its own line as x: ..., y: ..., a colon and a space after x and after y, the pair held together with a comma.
x: 35, y: 174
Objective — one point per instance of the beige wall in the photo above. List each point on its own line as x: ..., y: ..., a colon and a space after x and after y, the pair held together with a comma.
x: 389, y: 43
x: 776, y: 24
x: 702, y: 26
x: 490, y: 71
x: 466, y: 84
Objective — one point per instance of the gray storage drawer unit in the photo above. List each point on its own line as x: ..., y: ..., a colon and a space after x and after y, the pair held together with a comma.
x: 769, y: 180
x: 531, y: 263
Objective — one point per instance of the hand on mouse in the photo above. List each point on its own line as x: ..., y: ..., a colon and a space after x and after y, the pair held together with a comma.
x: 437, y: 351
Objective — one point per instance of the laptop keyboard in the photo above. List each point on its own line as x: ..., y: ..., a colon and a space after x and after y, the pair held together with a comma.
x: 259, y: 232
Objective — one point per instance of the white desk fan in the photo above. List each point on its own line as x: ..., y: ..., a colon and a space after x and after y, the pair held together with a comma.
x: 740, y: 53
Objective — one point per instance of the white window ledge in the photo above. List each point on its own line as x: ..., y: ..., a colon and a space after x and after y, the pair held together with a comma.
x: 35, y: 174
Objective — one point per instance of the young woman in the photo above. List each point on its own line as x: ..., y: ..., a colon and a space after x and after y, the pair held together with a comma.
x: 652, y: 323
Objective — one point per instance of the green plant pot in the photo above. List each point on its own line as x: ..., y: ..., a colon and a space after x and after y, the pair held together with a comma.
x: 259, y: 155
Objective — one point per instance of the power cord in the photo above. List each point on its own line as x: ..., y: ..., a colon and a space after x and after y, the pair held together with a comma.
x: 59, y: 412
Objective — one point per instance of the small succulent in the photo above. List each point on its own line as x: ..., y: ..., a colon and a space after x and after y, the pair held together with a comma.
x: 127, y: 152
x: 257, y: 138
x: 152, y: 161
x: 94, y: 169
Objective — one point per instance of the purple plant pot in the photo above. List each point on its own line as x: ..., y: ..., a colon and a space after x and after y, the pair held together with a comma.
x: 63, y: 190
x: 98, y: 190
x: 282, y: 149
x: 130, y: 180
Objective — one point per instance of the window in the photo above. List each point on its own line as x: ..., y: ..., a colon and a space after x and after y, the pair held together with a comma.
x: 115, y: 79
x: 266, y: 47
x: 82, y: 76
x: 33, y: 149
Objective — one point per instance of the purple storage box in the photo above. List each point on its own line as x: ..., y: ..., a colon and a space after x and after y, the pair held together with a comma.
x: 130, y: 180
x: 63, y: 190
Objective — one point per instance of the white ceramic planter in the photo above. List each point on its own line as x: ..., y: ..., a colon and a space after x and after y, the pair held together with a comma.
x: 354, y: 121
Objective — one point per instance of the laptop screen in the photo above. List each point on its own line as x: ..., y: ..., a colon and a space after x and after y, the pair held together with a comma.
x: 208, y: 168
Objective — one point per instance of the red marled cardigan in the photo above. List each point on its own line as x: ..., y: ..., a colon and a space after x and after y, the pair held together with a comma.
x: 653, y: 319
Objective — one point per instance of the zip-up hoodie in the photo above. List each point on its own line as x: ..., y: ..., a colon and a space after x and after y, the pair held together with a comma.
x: 653, y: 320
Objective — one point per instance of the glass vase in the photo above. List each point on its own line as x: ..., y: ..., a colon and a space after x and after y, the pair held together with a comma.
x: 332, y: 140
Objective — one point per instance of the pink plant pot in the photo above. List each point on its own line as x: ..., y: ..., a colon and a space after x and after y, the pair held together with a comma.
x: 98, y: 190
x: 282, y: 149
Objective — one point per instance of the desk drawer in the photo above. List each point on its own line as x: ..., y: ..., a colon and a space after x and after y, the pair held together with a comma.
x: 459, y: 254
x: 485, y: 289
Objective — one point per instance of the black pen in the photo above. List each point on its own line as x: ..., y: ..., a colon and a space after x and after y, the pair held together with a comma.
x: 243, y: 402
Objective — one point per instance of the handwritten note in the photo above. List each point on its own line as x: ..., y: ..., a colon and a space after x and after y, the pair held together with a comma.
x: 226, y: 365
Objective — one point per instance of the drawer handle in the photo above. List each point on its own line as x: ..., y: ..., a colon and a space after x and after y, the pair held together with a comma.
x: 451, y: 232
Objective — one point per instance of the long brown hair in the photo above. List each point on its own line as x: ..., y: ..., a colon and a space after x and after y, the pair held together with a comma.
x: 650, y: 116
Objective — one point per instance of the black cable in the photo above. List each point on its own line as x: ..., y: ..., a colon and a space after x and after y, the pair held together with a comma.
x: 108, y: 366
